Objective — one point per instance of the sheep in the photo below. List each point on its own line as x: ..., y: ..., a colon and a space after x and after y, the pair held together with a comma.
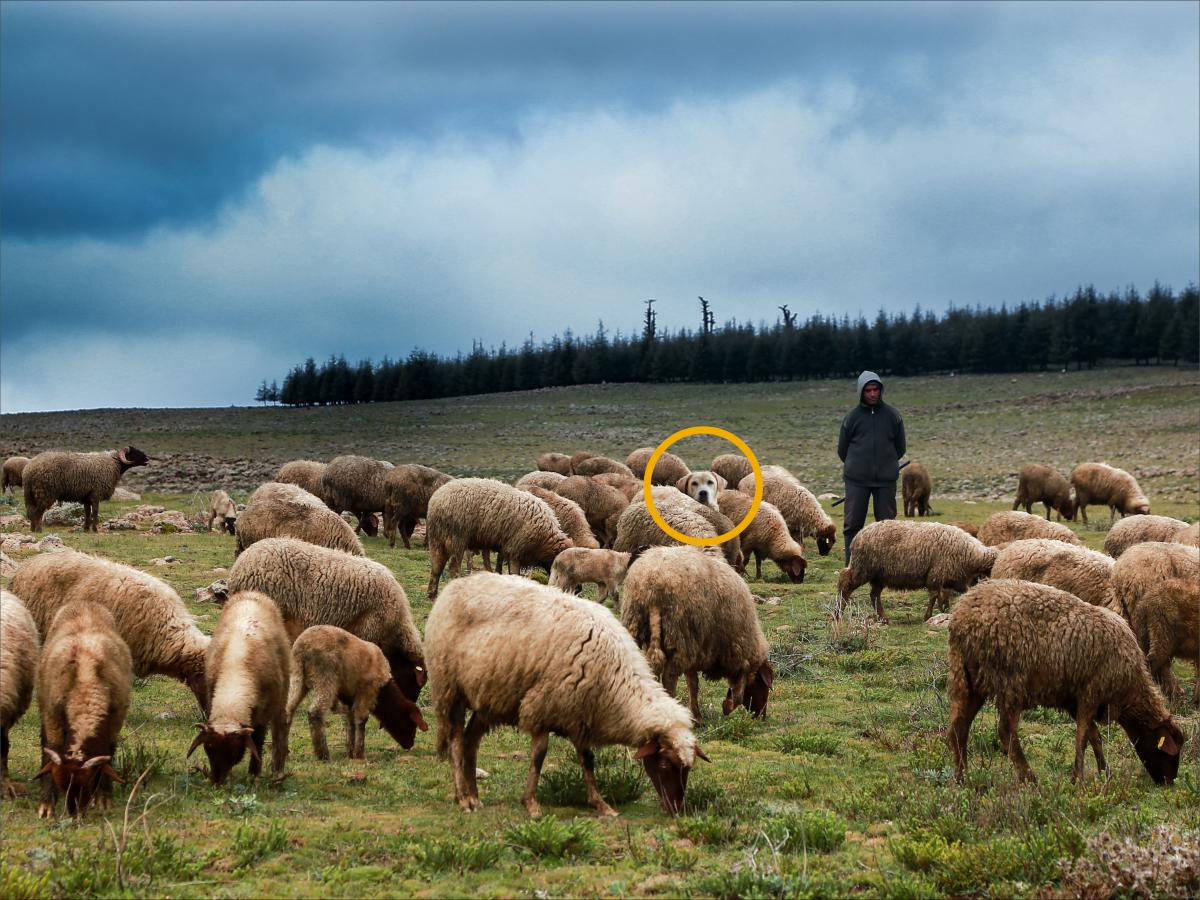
x: 406, y: 492
x: 276, y: 509
x: 518, y: 653
x: 630, y: 487
x: 597, y: 465
x: 733, y: 467
x: 85, y: 478
x: 601, y: 504
x: 668, y: 470
x: 554, y: 462
x: 1107, y: 486
x: 1077, y: 570
x: 1029, y: 645
x: 248, y: 666
x: 547, y: 480
x: 801, y: 510
x: 1013, y: 525
x: 1139, y: 529
x: 570, y: 517
x: 916, y: 486
x: 150, y: 617
x: 336, y: 666
x: 1157, y: 587
x: 577, y: 458
x: 702, y: 487
x: 1190, y: 536
x: 84, y: 678
x: 691, y: 614
x: 318, y: 586
x: 19, y: 647
x: 306, y: 473
x: 356, y: 483
x: 606, y: 569
x: 636, y: 527
x: 482, y: 514
x: 969, y: 527
x: 910, y: 555
x: 1038, y: 483
x: 767, y: 535
x: 13, y: 467
x: 221, y: 508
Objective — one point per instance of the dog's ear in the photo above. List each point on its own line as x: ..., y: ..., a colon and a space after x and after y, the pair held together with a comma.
x: 682, y: 483
x: 722, y: 484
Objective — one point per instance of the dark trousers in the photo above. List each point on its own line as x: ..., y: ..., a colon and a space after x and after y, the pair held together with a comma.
x: 857, y: 498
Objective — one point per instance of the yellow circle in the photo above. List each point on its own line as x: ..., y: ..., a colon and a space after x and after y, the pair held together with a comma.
x: 715, y: 432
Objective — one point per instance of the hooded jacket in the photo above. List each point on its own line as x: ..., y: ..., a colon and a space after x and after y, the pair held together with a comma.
x: 872, y: 440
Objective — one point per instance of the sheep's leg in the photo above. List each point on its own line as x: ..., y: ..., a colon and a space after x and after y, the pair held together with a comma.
x: 587, y: 759
x: 259, y: 737
x: 877, y: 601
x: 693, y: 683
x: 456, y: 719
x: 537, y: 756
x: 1094, y: 739
x: 49, y: 798
x: 1010, y: 719
x: 601, y: 591
x: 1083, y: 512
x: 357, y: 716
x: 321, y: 703
x: 670, y: 681
x: 437, y: 563
x: 1084, y: 723
x: 476, y: 729
x: 6, y: 784
x: 964, y: 708
x: 933, y: 597
x: 758, y: 565
x: 279, y: 743
x: 487, y: 560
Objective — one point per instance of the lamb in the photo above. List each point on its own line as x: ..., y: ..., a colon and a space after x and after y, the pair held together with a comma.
x: 1139, y: 529
x: 1038, y: 483
x: 84, y: 679
x: 482, y: 514
x: 547, y: 480
x: 767, y: 535
x: 1030, y: 645
x: 248, y: 666
x: 1097, y: 483
x: 406, y: 493
x: 597, y: 465
x: 151, y: 619
x: 800, y: 509
x: 691, y: 614
x: 636, y: 527
x: 916, y: 486
x: 606, y: 569
x: 19, y: 647
x: 627, y: 485
x: 518, y: 653
x: 356, y: 483
x: 1157, y: 586
x: 13, y: 467
x: 1190, y: 536
x: 910, y: 555
x: 554, y: 462
x: 668, y: 470
x: 601, y: 504
x: 570, y: 517
x: 314, y: 585
x: 85, y: 478
x: 221, y: 508
x: 306, y: 473
x: 702, y: 487
x: 336, y: 666
x: 283, y: 510
x: 733, y: 467
x: 1077, y: 570
x: 1002, y: 527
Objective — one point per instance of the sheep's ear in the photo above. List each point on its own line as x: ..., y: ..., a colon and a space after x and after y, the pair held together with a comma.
x: 647, y: 749
x: 682, y: 483
x: 767, y: 674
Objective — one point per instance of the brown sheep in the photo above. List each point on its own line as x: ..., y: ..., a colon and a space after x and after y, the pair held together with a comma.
x: 1011, y: 525
x: 599, y: 465
x: 1139, y: 529
x: 916, y: 486
x: 85, y: 478
x: 767, y: 535
x: 733, y: 467
x: 554, y: 462
x: 1037, y: 483
x: 601, y: 504
x: 13, y: 467
x: 406, y: 492
x: 356, y: 484
x: 1104, y: 485
x: 668, y: 470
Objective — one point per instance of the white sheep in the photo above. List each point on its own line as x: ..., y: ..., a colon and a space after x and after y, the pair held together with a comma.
x: 1105, y: 485
x: 280, y: 510
x: 1013, y: 525
x: 800, y: 508
x: 19, y: 647
x: 767, y: 535
x: 87, y: 478
x: 1138, y: 529
x: 1074, y: 569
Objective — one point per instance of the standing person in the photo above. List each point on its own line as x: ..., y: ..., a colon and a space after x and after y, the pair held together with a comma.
x: 870, y: 446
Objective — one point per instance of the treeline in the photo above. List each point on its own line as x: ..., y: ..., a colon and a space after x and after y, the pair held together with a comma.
x: 1081, y: 331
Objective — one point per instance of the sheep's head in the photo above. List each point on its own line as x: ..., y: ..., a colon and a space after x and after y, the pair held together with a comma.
x: 231, y: 524
x: 129, y: 457
x: 754, y: 692
x: 1066, y: 508
x: 398, y: 715
x: 793, y: 567
x: 1159, y: 749
x: 77, y: 777
x: 550, y: 548
x: 224, y: 747
x: 369, y: 523
x: 1138, y: 506
x: 668, y: 767
x: 826, y: 538
x: 409, y: 674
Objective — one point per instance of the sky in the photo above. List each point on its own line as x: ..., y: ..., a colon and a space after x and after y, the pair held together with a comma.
x: 195, y: 197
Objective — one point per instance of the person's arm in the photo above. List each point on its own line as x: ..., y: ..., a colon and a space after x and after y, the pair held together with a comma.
x: 901, y: 440
x: 844, y: 440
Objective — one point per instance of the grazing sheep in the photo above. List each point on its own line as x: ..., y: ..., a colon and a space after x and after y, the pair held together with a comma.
x: 482, y: 514
x: 599, y: 465
x: 83, y: 682
x: 305, y: 473
x: 222, y: 509
x: 1038, y: 483
x: 632, y: 488
x: 916, y: 486
x: 19, y: 645
x: 570, y: 517
x: 800, y: 509
x: 248, y: 666
x: 636, y: 527
x: 668, y: 470
x: 1190, y: 536
x: 13, y: 467
x: 406, y: 492
x: 911, y: 555
x: 692, y: 615
x: 767, y: 535
x: 577, y: 458
x: 1028, y: 645
x: 151, y: 619
x: 601, y: 504
x: 1157, y: 586
x: 314, y: 585
x: 278, y: 510
x: 1104, y: 485
x: 338, y: 667
x: 1076, y: 570
x: 606, y: 569
x: 702, y: 487
x: 356, y: 484
x: 969, y: 527
x: 733, y: 467
x: 518, y: 653
x: 554, y: 462
x: 1139, y: 529
x: 85, y: 478
x: 1012, y: 525
x: 547, y: 480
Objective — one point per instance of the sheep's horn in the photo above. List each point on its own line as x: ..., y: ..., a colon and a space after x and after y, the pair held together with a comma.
x: 53, y: 754
x: 197, y: 742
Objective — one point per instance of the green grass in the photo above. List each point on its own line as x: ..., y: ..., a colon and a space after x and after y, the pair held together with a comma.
x: 844, y: 788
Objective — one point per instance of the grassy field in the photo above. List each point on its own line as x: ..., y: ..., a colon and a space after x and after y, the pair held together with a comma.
x: 845, y: 788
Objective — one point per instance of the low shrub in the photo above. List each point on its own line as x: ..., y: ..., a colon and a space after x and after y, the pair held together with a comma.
x: 455, y: 854
x: 549, y: 838
x: 621, y: 780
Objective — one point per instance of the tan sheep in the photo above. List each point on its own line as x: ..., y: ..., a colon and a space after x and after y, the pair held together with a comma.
x: 1027, y: 645
x: 599, y: 465
x: 19, y: 647
x: 632, y: 488
x: 636, y: 527
x: 85, y: 478
x: 733, y: 467
x: 911, y: 555
x: 517, y: 653
x: 1076, y: 570
x: 248, y: 667
x: 577, y: 458
x: 692, y: 615
x: 570, y: 517
x: 800, y: 508
x: 306, y: 473
x: 13, y: 467
x: 406, y: 492
x: 1104, y: 485
x: 356, y: 484
x: 577, y: 566
x: 1190, y: 536
x: 554, y: 462
x: 1011, y: 525
x: 668, y: 470
x: 601, y: 504
x: 222, y: 511
x: 278, y: 510
x: 150, y: 617
x: 1138, y: 529
x: 1042, y: 484
x: 916, y: 486
x: 547, y: 480
x: 969, y: 527
x: 766, y: 536
x: 338, y: 668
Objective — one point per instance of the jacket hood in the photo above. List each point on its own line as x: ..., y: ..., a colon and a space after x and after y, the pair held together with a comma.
x: 862, y: 383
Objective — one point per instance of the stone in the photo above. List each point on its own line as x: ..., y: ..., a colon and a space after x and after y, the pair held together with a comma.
x: 941, y: 620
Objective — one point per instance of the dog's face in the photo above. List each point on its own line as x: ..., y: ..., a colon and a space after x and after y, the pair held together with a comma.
x: 702, y: 487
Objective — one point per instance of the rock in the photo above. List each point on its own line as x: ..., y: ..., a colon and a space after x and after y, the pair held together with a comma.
x: 19, y: 521
x: 482, y: 773
x: 772, y: 601
x: 207, y: 594
x: 828, y: 495
x: 125, y: 494
x: 51, y: 543
x: 8, y: 567
x: 67, y: 514
x: 941, y: 620
x: 782, y: 629
x: 164, y: 561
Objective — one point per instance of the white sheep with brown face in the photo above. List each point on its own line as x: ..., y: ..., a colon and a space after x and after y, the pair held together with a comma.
x: 797, y: 504
x: 279, y: 510
x: 85, y: 478
x: 1105, y: 485
x: 19, y: 649
x: 767, y: 535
